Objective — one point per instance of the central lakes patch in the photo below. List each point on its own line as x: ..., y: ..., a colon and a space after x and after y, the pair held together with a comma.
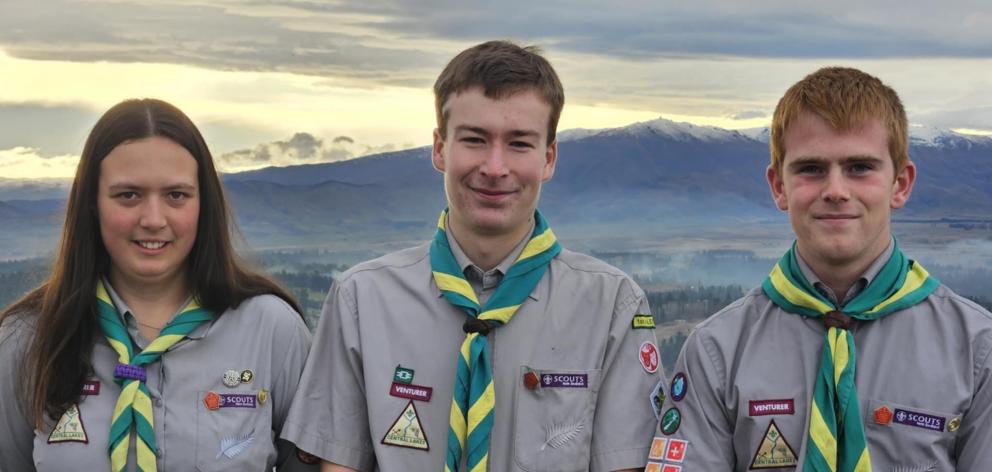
x: 406, y: 431
x: 70, y: 427
x: 774, y: 451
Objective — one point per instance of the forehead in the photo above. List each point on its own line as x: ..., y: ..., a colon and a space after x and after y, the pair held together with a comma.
x: 811, y: 136
x: 148, y: 160
x: 523, y: 110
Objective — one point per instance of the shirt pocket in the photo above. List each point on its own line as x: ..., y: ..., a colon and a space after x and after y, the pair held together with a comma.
x: 235, y: 432
x: 553, y: 418
x: 911, y: 437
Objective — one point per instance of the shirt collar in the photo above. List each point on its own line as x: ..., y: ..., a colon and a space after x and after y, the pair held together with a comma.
x: 131, y: 323
x: 869, y: 274
x: 469, y: 269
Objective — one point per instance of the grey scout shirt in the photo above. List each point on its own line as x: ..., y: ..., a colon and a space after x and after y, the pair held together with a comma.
x: 745, y: 376
x: 263, y: 335
x: 575, y: 326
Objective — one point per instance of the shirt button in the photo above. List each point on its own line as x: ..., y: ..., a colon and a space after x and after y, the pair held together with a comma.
x: 158, y: 402
x: 158, y: 452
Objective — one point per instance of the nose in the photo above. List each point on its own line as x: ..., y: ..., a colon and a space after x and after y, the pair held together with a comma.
x: 153, y: 214
x: 494, y: 164
x: 836, y: 188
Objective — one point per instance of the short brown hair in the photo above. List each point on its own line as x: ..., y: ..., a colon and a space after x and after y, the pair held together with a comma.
x: 845, y: 98
x: 502, y: 69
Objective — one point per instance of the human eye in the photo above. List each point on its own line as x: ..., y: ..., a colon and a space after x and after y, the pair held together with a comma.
x: 126, y: 195
x: 472, y: 140
x: 521, y: 145
x: 861, y: 168
x: 809, y: 169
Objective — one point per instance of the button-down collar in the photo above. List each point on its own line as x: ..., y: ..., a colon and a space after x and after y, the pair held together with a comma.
x: 859, y: 285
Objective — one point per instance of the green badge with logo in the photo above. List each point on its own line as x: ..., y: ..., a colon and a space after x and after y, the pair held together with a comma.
x: 671, y: 421
x: 643, y: 322
x: 403, y: 375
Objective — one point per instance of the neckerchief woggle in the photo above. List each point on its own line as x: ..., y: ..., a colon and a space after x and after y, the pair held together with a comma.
x: 474, y: 399
x: 836, y: 441
x: 134, y: 405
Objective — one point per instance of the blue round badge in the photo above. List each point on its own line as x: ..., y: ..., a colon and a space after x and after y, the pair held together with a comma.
x: 680, y: 384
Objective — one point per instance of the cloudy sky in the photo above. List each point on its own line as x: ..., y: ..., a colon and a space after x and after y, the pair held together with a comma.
x: 294, y: 81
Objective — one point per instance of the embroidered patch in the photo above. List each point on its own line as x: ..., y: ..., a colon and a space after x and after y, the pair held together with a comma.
x: 676, y: 450
x: 403, y: 375
x: 657, y: 448
x: 559, y: 434
x: 920, y: 420
x: 648, y: 355
x: 671, y: 468
x: 406, y: 430
x: 883, y: 415
x: 70, y: 427
x: 680, y: 385
x: 564, y: 380
x: 771, y: 407
x: 671, y: 421
x: 773, y: 451
x: 230, y: 447
x: 531, y: 381
x: 91, y: 387
x: 653, y: 467
x: 410, y: 391
x: 231, y: 378
x: 643, y: 322
x: 657, y: 398
x: 211, y: 400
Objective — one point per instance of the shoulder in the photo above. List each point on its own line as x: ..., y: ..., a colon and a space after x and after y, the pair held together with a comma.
x: 738, y: 313
x: 267, y: 313
x: 947, y: 302
x: 586, y: 264
x: 576, y: 272
x: 17, y: 326
x: 389, y: 265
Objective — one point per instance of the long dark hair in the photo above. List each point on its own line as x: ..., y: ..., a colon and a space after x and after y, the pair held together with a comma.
x: 57, y: 362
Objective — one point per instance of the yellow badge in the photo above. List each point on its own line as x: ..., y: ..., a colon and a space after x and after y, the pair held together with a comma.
x: 774, y: 451
x: 643, y: 322
x: 263, y: 396
x: 954, y: 424
x: 69, y: 428
x: 406, y: 430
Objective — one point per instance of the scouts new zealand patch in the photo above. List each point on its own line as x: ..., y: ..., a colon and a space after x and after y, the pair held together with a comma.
x: 406, y: 430
x: 69, y: 428
x: 643, y: 322
x: 773, y: 452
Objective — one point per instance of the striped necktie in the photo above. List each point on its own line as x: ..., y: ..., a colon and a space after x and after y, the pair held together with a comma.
x: 134, y: 405
x: 836, y: 441
x: 474, y: 399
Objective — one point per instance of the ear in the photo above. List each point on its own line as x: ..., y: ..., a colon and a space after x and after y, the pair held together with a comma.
x: 550, y: 159
x: 903, y: 185
x: 777, y: 186
x: 437, y: 151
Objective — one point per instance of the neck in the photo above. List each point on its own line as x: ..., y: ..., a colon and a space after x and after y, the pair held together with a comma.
x: 152, y: 304
x: 486, y: 250
x: 839, y: 276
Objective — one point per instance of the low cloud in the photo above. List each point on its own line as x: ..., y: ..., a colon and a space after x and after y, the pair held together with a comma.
x: 301, y: 148
x: 749, y: 114
x: 28, y: 163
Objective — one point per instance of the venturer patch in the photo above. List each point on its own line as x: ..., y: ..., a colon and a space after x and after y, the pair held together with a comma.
x: 91, y: 387
x: 411, y: 392
x: 406, y: 430
x: 69, y: 428
x: 774, y: 451
x: 771, y: 407
x: 643, y: 322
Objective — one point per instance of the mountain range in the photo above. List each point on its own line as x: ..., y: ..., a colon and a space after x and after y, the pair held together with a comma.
x: 645, y: 177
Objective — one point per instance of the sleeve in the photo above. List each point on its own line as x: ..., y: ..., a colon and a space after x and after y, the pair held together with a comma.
x: 695, y: 430
x: 16, y: 432
x: 625, y: 417
x: 329, y: 416
x: 975, y: 435
x: 296, y: 346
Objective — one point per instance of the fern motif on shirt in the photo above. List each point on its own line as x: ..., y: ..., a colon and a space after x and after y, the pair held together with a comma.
x: 560, y: 434
x: 234, y: 445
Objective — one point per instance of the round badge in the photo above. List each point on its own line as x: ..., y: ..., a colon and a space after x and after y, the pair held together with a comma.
x: 954, y: 424
x: 680, y: 384
x: 531, y: 381
x: 232, y: 378
x: 648, y: 354
x: 671, y: 421
x: 211, y: 400
x: 247, y: 375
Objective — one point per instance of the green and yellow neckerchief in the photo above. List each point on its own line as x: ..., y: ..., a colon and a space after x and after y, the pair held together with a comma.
x: 836, y: 441
x: 134, y: 405
x: 474, y: 397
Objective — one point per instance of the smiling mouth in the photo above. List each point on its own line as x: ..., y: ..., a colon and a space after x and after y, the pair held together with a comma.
x: 152, y: 244
x: 491, y: 192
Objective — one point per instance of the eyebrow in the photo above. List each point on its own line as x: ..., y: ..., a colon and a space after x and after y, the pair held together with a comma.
x: 131, y: 186
x: 517, y: 133
x: 857, y: 158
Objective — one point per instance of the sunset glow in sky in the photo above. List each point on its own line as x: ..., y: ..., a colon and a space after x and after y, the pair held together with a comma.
x: 349, y: 78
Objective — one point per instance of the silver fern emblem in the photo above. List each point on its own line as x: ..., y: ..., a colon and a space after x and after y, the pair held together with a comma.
x: 561, y: 433
x: 234, y: 445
